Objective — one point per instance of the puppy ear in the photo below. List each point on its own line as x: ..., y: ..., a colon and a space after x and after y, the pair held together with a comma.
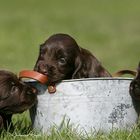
x: 78, y: 68
x: 84, y: 65
x: 4, y: 93
x: 87, y: 66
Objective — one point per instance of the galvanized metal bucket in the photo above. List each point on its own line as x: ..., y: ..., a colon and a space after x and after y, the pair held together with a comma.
x: 92, y: 103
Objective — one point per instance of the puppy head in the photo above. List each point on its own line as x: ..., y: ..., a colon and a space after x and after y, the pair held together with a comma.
x: 61, y: 58
x: 135, y: 85
x: 15, y: 95
x: 57, y: 57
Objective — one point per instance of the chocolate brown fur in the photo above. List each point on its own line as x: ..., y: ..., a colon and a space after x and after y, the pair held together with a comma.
x: 61, y: 58
x: 15, y: 97
x: 135, y: 85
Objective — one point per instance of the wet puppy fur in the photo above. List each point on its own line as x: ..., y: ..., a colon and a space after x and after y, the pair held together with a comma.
x: 15, y: 97
x: 61, y: 58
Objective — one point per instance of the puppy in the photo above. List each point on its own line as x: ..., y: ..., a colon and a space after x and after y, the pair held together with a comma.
x: 15, y: 97
x: 135, y: 91
x: 135, y: 85
x: 61, y: 58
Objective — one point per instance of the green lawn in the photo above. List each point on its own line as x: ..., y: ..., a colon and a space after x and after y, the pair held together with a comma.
x: 108, y: 28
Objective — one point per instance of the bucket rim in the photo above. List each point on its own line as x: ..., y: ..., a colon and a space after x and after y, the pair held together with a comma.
x: 99, y: 78
x: 90, y: 79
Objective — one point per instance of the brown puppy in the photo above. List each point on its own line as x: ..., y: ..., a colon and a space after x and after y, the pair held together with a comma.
x: 135, y: 85
x: 61, y: 58
x: 135, y: 91
x: 15, y: 97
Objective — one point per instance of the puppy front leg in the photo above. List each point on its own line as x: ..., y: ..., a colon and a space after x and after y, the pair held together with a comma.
x: 7, y: 122
x: 1, y: 123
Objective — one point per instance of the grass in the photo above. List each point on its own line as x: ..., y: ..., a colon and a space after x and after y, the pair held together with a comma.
x: 108, y: 28
x: 67, y: 132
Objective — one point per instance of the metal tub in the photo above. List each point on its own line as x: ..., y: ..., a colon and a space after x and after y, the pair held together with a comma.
x: 91, y: 104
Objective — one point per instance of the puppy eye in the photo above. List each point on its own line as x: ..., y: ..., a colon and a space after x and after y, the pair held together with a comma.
x: 14, y: 89
x: 62, y: 60
x: 12, y: 83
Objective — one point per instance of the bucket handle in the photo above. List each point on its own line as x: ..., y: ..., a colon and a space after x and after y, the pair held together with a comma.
x: 123, y: 72
x: 33, y: 75
x: 37, y: 76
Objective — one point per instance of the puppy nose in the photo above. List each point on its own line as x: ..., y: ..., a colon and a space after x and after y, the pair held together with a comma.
x: 34, y: 90
x: 44, y: 71
x: 31, y: 90
x: 42, y: 68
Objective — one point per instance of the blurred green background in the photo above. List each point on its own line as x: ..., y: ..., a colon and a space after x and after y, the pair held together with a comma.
x: 110, y: 29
